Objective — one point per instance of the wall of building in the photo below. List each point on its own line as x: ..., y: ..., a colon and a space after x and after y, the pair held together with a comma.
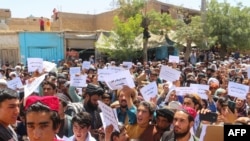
x: 105, y: 21
x: 75, y: 22
x: 5, y: 13
x: 27, y: 24
x: 87, y: 22
x: 9, y: 48
x: 46, y: 45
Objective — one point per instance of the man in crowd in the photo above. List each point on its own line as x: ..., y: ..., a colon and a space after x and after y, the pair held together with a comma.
x: 42, y: 118
x: 9, y: 111
x: 90, y: 105
x: 81, y: 123
x: 183, y: 122
x: 65, y: 120
x: 49, y: 88
x: 126, y: 113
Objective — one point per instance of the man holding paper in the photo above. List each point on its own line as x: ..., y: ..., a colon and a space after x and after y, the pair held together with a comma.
x: 126, y: 113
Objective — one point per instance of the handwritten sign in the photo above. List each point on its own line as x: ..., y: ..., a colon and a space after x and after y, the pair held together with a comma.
x: 15, y: 83
x: 108, y: 115
x: 149, y: 91
x: 102, y: 73
x: 74, y: 70
x: 78, y: 81
x: 185, y: 90
x: 86, y: 65
x: 30, y: 88
x: 48, y: 66
x: 117, y: 83
x: 35, y: 64
x: 169, y: 74
x: 174, y: 59
x: 118, y: 80
x: 115, y: 69
x: 201, y: 90
x: 237, y: 90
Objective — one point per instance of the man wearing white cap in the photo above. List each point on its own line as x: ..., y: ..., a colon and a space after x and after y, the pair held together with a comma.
x: 3, y: 83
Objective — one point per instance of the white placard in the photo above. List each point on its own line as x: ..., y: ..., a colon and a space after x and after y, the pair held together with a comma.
x: 86, y: 65
x: 78, y: 81
x: 248, y: 72
x: 185, y: 90
x: 201, y: 90
x: 15, y: 83
x: 169, y: 74
x: 149, y: 91
x: 74, y: 70
x: 48, y: 66
x: 102, y: 73
x: 30, y: 88
x: 174, y: 59
x: 35, y: 64
x: 203, y: 132
x: 115, y: 69
x: 108, y: 115
x: 118, y: 80
x: 237, y: 90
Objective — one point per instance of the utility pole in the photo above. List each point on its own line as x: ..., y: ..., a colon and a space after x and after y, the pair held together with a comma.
x: 203, y: 9
x: 203, y: 20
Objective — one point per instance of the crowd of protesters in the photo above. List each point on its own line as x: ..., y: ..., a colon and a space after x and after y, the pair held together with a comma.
x: 58, y: 111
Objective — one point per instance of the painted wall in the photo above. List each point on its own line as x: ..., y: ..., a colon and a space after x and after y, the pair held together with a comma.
x: 46, y: 45
x: 164, y: 52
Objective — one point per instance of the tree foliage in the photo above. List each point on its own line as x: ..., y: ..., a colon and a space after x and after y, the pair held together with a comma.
x: 160, y: 23
x: 130, y: 8
x: 229, y: 24
x: 189, y: 33
x: 122, y: 39
x: 129, y: 24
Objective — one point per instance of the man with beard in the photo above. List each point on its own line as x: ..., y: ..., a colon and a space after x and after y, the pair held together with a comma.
x: 182, y: 123
x: 90, y: 105
x: 126, y: 113
x: 164, y: 119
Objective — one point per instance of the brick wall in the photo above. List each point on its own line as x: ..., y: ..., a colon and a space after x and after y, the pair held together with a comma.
x: 28, y: 24
x: 75, y: 22
x: 104, y: 21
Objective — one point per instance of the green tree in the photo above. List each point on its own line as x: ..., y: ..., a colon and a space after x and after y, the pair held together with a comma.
x: 189, y: 33
x: 130, y: 8
x: 120, y: 44
x: 133, y: 20
x: 152, y: 21
x: 229, y: 24
x: 157, y: 23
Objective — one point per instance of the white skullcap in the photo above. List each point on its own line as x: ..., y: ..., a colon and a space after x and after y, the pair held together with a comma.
x: 3, y: 82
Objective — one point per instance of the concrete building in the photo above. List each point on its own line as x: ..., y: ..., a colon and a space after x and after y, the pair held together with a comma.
x: 88, y: 22
x: 81, y: 31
